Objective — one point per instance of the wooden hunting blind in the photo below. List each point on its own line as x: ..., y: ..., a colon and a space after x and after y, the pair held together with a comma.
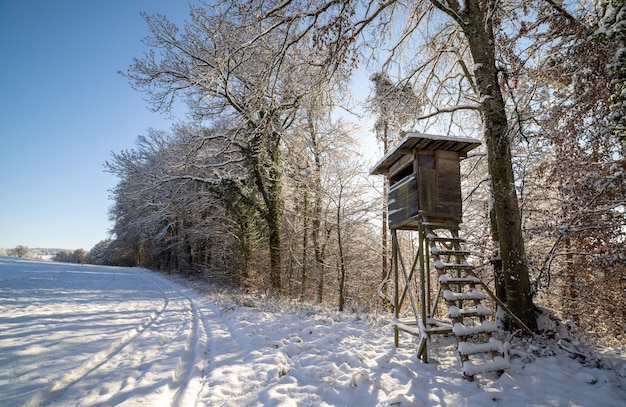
x: 424, y: 177
x: 424, y: 201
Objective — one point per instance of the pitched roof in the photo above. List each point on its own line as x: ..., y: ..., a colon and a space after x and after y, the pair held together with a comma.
x: 418, y: 141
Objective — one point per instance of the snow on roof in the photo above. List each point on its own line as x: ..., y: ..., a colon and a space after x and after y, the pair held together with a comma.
x: 419, y: 141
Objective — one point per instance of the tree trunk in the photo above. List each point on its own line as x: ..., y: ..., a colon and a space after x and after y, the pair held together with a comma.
x: 320, y: 257
x: 266, y: 161
x: 275, y: 205
x: 342, y: 262
x: 305, y: 241
x: 317, y: 212
x: 385, y: 254
x: 275, y: 255
x: 496, y: 259
x: 479, y: 32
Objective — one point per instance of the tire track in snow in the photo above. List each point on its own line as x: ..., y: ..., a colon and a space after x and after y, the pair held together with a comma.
x: 234, y: 365
x: 68, y: 380
x: 168, y: 357
x: 192, y: 362
x: 223, y: 356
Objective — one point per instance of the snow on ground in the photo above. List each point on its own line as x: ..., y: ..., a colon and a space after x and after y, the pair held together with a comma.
x: 74, y: 335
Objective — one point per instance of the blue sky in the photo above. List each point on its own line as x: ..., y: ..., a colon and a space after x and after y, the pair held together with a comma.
x: 63, y: 109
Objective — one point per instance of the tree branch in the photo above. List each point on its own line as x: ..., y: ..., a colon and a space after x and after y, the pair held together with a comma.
x: 449, y: 110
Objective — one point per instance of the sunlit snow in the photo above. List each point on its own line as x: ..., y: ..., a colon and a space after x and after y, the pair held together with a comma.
x: 100, y: 336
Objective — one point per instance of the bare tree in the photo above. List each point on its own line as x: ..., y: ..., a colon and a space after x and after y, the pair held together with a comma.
x: 352, y: 214
x: 228, y: 64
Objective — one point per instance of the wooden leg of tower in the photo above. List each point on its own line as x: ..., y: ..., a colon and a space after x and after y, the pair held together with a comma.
x: 422, y: 350
x: 396, y: 290
x: 396, y: 336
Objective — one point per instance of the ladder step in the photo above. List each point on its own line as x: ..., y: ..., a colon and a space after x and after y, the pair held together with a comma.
x: 440, y: 265
x: 473, y: 294
x: 435, y: 251
x: 467, y: 349
x: 473, y: 368
x: 479, y: 311
x: 443, y: 279
x: 462, y: 330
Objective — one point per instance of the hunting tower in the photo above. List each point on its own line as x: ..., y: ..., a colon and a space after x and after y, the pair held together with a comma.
x: 424, y: 178
x: 423, y: 172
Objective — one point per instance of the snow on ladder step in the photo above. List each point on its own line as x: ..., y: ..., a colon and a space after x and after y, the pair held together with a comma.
x: 436, y: 251
x: 498, y: 364
x: 462, y: 280
x: 494, y: 345
x: 440, y: 265
x: 462, y: 330
x: 473, y: 294
x: 479, y: 311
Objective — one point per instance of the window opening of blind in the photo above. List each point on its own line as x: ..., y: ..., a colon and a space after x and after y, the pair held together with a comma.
x: 400, y: 176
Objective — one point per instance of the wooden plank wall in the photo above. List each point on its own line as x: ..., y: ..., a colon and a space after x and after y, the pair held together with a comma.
x: 449, y: 184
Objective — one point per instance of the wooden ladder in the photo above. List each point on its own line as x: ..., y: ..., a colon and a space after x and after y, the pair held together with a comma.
x: 463, y: 293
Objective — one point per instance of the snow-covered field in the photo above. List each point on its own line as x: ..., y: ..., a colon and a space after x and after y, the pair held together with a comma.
x: 75, y: 335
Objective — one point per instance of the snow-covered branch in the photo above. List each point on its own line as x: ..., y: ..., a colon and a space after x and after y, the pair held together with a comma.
x: 449, y: 110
